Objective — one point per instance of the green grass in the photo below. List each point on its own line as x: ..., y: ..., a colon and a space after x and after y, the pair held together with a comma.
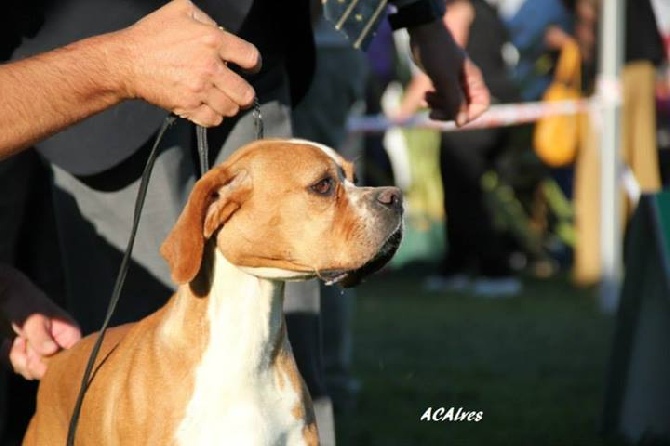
x: 535, y: 365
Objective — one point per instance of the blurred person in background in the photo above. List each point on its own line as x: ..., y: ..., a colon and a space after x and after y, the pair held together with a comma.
x: 662, y: 9
x: 530, y: 24
x: 643, y: 53
x: 474, y: 247
x: 537, y: 30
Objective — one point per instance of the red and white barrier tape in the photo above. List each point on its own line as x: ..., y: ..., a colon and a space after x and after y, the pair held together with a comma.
x: 497, y: 116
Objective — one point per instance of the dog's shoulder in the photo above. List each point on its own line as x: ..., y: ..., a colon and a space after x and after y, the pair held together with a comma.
x: 66, y: 368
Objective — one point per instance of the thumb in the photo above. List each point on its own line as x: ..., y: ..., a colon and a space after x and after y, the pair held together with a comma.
x: 37, y: 331
x: 462, y: 117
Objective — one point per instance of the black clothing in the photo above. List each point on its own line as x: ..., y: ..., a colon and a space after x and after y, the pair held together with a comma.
x: 487, y: 37
x: 473, y: 243
x: 643, y: 39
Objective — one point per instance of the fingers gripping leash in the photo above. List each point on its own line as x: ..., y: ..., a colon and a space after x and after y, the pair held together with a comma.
x: 203, y: 145
x: 203, y: 155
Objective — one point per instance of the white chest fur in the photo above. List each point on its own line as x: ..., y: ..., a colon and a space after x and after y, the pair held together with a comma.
x: 240, y: 397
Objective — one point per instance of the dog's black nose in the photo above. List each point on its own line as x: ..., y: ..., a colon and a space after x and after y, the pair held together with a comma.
x: 390, y: 197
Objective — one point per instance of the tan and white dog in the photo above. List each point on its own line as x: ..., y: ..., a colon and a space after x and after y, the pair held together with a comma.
x: 214, y: 366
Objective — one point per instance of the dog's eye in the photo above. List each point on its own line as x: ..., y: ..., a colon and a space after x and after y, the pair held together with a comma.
x: 323, y: 187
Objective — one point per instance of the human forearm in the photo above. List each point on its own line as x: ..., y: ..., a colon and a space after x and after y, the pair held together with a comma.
x: 176, y: 58
x: 48, y: 92
x: 460, y: 92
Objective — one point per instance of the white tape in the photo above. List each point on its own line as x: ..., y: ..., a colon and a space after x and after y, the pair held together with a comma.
x: 496, y: 116
x: 609, y: 90
x: 630, y: 184
x: 394, y: 139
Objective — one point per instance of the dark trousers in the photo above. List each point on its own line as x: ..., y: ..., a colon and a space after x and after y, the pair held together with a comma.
x: 29, y: 243
x: 473, y: 244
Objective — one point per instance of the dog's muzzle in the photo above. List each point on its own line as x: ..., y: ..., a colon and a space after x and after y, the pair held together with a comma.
x: 388, y: 201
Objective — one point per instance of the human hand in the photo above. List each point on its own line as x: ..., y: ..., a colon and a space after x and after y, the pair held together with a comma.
x: 401, y: 106
x: 555, y: 37
x: 460, y: 92
x: 41, y: 327
x: 177, y: 58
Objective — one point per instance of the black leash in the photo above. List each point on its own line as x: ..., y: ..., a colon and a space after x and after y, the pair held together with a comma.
x: 123, y: 270
x: 258, y: 120
x: 203, y: 155
x: 203, y: 148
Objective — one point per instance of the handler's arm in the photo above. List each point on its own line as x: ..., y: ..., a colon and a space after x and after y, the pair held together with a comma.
x: 51, y: 91
x: 460, y: 92
x: 175, y: 58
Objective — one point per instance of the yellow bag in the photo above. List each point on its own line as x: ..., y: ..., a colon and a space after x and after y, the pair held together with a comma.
x: 555, y: 137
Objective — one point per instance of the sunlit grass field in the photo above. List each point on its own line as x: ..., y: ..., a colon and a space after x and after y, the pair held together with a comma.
x: 535, y: 365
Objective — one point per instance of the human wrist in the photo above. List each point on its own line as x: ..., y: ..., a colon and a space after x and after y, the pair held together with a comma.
x: 111, y: 61
x: 437, y: 32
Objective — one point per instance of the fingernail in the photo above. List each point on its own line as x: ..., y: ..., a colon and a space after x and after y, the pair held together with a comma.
x: 461, y: 118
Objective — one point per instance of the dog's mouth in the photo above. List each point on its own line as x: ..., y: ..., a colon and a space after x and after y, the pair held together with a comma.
x: 352, y: 278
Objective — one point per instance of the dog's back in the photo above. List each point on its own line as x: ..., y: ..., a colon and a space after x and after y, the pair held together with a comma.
x: 61, y: 383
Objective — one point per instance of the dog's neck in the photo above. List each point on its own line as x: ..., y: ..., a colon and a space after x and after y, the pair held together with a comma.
x: 242, y: 321
x: 239, y: 319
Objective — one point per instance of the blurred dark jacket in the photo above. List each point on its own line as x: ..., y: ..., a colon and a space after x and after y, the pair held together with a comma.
x: 486, y: 42
x: 643, y: 39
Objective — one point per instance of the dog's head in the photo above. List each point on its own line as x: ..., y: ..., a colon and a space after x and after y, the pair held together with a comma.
x: 287, y: 209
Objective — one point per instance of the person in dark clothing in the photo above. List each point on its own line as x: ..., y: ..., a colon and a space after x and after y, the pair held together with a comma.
x: 65, y: 86
x: 474, y: 246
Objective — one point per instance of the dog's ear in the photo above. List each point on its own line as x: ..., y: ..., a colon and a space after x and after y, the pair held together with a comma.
x: 213, y: 200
